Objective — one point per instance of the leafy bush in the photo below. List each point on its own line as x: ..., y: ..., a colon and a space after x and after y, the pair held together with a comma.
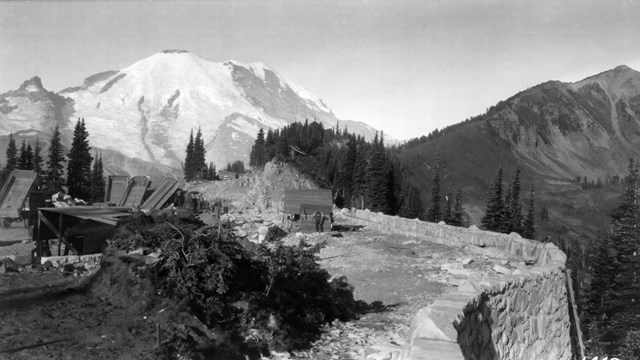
x: 257, y: 298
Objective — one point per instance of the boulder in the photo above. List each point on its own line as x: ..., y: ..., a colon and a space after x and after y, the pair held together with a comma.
x: 501, y: 269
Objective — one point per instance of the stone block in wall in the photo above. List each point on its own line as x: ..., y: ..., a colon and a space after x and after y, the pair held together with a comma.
x: 436, y: 321
x: 470, y: 287
x: 429, y: 349
x: 501, y: 269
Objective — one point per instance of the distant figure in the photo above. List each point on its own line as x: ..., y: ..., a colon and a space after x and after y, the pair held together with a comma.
x: 331, y: 219
x: 319, y: 218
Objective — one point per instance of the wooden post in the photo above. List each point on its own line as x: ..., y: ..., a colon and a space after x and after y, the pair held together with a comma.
x: 59, y: 233
x: 39, y: 238
x: 576, y: 319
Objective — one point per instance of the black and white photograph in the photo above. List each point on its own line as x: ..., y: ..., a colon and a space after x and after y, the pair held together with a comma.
x: 320, y: 179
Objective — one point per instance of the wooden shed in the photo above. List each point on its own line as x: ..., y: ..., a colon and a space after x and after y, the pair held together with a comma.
x: 301, y: 201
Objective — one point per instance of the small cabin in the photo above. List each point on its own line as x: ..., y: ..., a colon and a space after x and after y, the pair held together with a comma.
x: 302, y: 203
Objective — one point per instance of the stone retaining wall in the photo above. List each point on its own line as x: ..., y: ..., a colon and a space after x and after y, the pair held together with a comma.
x: 514, y: 314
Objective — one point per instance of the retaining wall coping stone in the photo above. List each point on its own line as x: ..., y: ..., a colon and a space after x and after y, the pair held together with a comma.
x: 73, y: 259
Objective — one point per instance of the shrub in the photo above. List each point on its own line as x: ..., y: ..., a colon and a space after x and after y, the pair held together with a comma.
x: 256, y: 298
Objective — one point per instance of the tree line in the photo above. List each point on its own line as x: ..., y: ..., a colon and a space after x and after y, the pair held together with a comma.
x: 504, y: 214
x: 362, y: 174
x: 84, y: 176
x: 610, y: 307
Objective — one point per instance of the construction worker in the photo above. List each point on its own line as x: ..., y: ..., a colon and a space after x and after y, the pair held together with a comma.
x: 318, y: 216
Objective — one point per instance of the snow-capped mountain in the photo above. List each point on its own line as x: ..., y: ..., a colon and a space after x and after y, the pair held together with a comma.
x: 145, y: 112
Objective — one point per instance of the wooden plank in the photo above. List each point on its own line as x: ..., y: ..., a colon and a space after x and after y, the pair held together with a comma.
x: 135, y: 191
x: 294, y: 198
x: 161, y: 195
x: 59, y: 233
x: 574, y: 309
x: 15, y: 191
x: 116, y: 187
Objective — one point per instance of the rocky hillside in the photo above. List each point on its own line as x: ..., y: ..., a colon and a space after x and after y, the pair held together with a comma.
x: 146, y: 111
x: 257, y: 192
x: 554, y: 131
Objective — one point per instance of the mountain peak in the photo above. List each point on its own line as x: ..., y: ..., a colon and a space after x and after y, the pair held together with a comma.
x: 174, y: 51
x: 32, y: 85
x: 622, y: 68
x: 621, y: 72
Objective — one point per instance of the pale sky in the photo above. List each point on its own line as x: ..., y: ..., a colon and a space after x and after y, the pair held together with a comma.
x: 405, y: 67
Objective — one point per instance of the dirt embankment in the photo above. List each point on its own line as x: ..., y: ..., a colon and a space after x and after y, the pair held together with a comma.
x: 257, y: 192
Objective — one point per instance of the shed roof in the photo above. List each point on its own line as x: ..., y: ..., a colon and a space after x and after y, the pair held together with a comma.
x: 294, y: 198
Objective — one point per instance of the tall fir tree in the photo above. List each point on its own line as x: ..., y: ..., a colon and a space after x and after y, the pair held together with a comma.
x: 199, y: 155
x: 29, y: 157
x: 12, y: 160
x: 269, y: 147
x: 376, y: 179
x: 98, y: 183
x: 12, y: 156
x: 358, y: 186
x: 614, y: 298
x: 23, y: 157
x: 528, y: 227
x: 411, y: 207
x: 188, y: 167
x: 515, y: 217
x: 457, y: 212
x: 55, y: 162
x: 493, y: 218
x: 448, y: 208
x: 433, y: 213
x: 257, y: 151
x: 37, y: 158
x: 79, y: 165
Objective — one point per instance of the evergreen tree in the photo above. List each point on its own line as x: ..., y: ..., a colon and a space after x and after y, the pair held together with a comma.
x: 433, y: 213
x: 257, y: 151
x: 376, y: 190
x: 614, y: 296
x: 448, y: 208
x: 544, y: 213
x: 358, y: 186
x: 55, y: 162
x: 626, y: 238
x: 211, y: 172
x: 269, y: 147
x: 528, y: 228
x: 98, y: 183
x: 495, y: 212
x: 199, y: 154
x: 505, y: 226
x: 23, y: 160
x: 411, y: 207
x: 12, y: 156
x: 456, y: 215
x: 37, y: 157
x: 79, y: 166
x: 28, y: 157
x: 236, y: 167
x: 188, y: 166
x: 515, y: 205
